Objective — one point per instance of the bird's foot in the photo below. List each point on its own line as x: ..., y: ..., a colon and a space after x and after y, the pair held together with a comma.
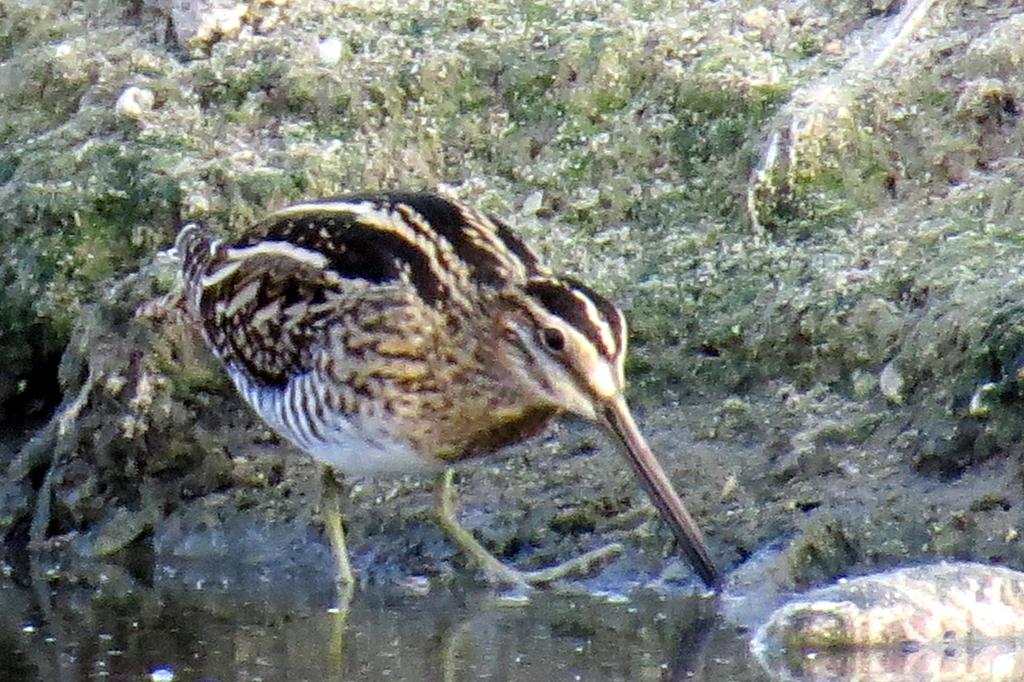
x: 577, y: 567
x: 498, y: 573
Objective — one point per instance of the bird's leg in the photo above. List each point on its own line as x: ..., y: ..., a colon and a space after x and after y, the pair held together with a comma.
x: 339, y: 628
x: 447, y: 511
x: 495, y: 571
x: 331, y: 510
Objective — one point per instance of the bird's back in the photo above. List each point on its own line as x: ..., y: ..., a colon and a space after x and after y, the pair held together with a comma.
x: 358, y: 327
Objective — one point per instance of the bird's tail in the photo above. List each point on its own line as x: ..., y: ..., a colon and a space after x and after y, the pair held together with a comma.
x: 194, y: 248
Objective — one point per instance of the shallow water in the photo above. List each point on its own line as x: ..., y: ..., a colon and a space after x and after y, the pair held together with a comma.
x: 221, y: 621
x: 192, y: 629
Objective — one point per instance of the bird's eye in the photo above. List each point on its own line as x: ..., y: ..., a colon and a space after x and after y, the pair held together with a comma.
x: 553, y: 338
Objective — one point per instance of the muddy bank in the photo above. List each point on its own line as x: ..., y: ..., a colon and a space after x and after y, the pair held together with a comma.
x: 155, y: 451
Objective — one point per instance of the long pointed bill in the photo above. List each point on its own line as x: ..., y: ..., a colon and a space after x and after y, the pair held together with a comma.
x: 619, y: 420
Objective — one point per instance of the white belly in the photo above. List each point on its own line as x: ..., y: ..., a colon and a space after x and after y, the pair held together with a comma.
x: 354, y: 450
x: 355, y: 456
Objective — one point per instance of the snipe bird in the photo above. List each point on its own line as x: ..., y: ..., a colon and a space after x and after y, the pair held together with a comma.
x: 403, y: 332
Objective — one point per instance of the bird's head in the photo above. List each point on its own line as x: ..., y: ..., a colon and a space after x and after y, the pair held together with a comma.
x: 566, y: 342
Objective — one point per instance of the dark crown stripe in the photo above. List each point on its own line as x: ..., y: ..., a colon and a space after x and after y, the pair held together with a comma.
x: 583, y: 309
x: 610, y: 313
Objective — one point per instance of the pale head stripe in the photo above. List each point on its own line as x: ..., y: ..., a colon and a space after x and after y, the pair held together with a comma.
x: 604, y: 331
x: 600, y: 374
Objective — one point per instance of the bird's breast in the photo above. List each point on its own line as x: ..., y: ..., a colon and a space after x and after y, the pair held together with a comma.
x: 486, y: 433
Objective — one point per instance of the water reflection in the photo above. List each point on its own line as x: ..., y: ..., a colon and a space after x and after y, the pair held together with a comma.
x: 181, y: 625
x: 112, y: 627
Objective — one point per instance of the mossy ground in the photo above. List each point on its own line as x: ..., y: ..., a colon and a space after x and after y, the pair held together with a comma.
x: 825, y: 362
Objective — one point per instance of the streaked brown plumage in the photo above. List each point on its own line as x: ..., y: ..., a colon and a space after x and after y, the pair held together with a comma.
x: 401, y: 332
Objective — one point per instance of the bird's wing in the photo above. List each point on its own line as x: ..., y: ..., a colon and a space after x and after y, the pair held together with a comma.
x: 264, y: 308
x: 266, y: 301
